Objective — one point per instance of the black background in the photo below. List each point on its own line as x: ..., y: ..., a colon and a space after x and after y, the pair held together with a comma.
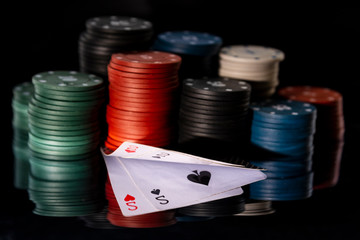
x: 321, y: 48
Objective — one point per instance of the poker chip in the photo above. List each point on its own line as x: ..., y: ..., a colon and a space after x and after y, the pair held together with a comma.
x: 257, y: 65
x: 64, y: 135
x: 206, y: 102
x: 22, y: 93
x: 257, y: 208
x: 141, y: 109
x: 105, y: 35
x: 197, y: 49
x: 329, y: 136
x: 217, y: 208
x: 283, y: 130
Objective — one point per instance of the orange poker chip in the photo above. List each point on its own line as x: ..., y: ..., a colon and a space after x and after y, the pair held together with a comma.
x: 311, y: 94
x: 124, y: 122
x: 136, y: 124
x: 146, y: 59
x: 173, y: 68
x: 122, y: 82
x: 158, y: 95
x: 172, y: 77
x: 141, y: 107
x: 110, y: 146
x: 138, y: 116
x: 112, y: 70
x: 153, y: 91
x: 158, y: 133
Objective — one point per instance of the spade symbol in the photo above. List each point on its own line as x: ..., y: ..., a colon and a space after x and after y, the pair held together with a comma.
x: 202, y: 178
x: 155, y: 191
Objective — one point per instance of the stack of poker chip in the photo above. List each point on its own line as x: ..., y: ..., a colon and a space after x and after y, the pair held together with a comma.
x: 143, y: 93
x: 106, y: 35
x: 64, y: 137
x: 214, y: 108
x: 329, y: 137
x: 199, y: 51
x: 257, y: 65
x: 285, y: 129
x: 22, y: 93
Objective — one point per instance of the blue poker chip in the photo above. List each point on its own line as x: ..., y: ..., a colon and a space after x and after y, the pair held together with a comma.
x: 281, y: 169
x: 310, y: 125
x: 287, y: 134
x: 286, y: 110
x: 188, y: 42
x: 283, y: 189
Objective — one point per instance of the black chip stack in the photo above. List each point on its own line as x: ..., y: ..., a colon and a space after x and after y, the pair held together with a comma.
x: 214, y: 108
x: 213, y: 116
x: 106, y: 35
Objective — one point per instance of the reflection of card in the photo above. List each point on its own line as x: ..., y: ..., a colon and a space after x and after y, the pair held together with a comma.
x: 159, y: 179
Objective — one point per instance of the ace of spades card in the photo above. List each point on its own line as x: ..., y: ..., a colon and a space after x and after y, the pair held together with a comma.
x: 147, y: 179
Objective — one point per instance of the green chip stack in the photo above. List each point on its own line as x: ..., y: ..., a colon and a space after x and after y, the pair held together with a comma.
x: 64, y: 139
x: 22, y: 93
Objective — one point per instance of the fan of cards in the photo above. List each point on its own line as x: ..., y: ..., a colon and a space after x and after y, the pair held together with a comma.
x: 147, y: 179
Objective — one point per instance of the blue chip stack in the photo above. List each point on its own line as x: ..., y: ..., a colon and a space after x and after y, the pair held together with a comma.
x: 198, y: 50
x: 285, y: 128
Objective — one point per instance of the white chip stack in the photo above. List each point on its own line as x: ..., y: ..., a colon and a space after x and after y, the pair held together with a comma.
x: 258, y: 65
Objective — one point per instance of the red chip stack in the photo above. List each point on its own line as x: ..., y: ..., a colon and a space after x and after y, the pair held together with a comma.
x: 143, y: 90
x: 330, y: 129
x: 142, y: 95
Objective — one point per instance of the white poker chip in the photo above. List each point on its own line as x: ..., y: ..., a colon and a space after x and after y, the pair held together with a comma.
x: 251, y: 53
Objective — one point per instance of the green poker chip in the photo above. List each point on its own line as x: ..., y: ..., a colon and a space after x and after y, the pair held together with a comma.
x: 67, y: 81
x: 23, y: 92
x: 80, y: 104
x: 71, y: 96
x: 75, y: 140
x: 72, y: 113
x: 86, y: 109
x: 58, y: 157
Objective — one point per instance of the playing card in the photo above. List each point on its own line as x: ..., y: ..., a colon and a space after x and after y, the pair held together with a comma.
x: 160, y: 179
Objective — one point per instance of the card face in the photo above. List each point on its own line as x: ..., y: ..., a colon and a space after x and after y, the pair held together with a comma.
x: 129, y: 197
x: 157, y: 179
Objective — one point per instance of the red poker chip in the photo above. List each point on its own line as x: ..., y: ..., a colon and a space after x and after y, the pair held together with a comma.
x: 118, y: 97
x: 169, y: 89
x: 113, y: 142
x: 146, y: 59
x: 156, y: 81
x: 173, y: 68
x: 141, y: 107
x: 137, y: 116
x: 158, y: 133
x: 311, y: 94
x: 158, y: 95
x: 142, y: 84
x: 140, y: 75
x: 129, y: 123
x: 138, y: 131
x: 110, y: 146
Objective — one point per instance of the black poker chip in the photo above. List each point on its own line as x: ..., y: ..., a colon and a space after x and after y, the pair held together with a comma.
x: 214, y: 108
x: 105, y: 35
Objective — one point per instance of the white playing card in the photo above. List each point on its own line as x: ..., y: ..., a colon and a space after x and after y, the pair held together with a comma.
x: 129, y: 197
x: 163, y: 179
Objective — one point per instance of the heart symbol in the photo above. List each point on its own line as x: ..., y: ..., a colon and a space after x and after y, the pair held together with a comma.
x: 155, y: 191
x: 129, y: 198
x: 202, y: 178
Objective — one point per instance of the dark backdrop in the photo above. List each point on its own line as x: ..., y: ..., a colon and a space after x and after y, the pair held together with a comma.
x: 321, y: 48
